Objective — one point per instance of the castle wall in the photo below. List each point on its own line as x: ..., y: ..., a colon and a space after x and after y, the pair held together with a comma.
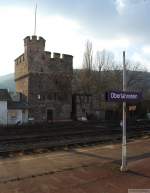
x: 44, y: 63
x: 22, y: 86
x: 21, y: 68
x: 45, y: 79
x: 45, y: 93
x: 34, y: 44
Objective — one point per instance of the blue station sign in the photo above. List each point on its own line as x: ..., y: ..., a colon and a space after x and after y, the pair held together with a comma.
x: 121, y: 96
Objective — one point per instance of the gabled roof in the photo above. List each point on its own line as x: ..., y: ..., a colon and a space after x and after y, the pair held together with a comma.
x: 4, y: 95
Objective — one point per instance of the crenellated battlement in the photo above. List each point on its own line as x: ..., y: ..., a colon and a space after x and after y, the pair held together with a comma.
x: 48, y: 54
x: 20, y: 59
x: 34, y: 43
x: 38, y: 43
x: 45, y: 80
x: 36, y: 59
x: 34, y: 39
x: 63, y: 57
x: 56, y: 55
x: 67, y: 57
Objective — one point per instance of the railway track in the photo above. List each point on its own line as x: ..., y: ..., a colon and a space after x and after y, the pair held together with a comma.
x: 65, y: 135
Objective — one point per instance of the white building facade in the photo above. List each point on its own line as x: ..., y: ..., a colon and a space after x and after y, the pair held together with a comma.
x: 12, y: 112
x: 3, y: 112
x: 17, y: 116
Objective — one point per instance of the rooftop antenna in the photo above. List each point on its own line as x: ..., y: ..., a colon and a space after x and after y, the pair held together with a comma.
x: 35, y: 19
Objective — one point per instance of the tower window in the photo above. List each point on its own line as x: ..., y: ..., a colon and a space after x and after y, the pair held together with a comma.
x: 41, y: 69
x: 38, y: 96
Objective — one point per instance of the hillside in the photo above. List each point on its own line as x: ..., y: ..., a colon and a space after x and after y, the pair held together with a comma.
x: 137, y: 79
x: 7, y: 82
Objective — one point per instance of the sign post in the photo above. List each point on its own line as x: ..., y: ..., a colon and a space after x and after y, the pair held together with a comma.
x: 121, y: 96
x: 124, y: 96
x: 123, y: 167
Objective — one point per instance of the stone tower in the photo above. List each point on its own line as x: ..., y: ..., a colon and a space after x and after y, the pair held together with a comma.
x: 44, y: 81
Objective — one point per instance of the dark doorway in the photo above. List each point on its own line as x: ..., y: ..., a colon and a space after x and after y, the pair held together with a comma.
x: 74, y: 107
x: 49, y: 115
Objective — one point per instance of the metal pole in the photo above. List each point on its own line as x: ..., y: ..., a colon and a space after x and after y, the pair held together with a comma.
x: 35, y: 19
x: 124, y: 143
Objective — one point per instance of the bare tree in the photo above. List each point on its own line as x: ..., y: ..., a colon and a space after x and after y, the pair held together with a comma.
x: 88, y: 56
x: 102, y: 73
x: 135, y: 77
x: 104, y: 60
x: 104, y: 68
x: 86, y: 74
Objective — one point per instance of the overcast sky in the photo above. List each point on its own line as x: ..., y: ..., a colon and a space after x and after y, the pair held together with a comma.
x: 114, y: 25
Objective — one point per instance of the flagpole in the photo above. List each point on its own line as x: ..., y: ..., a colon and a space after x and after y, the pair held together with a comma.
x: 35, y: 19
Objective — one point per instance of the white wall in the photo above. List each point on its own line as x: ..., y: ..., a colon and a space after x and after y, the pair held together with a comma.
x: 24, y: 116
x: 15, y: 116
x: 3, y: 112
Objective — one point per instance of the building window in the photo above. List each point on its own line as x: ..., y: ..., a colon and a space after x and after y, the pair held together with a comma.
x: 38, y: 96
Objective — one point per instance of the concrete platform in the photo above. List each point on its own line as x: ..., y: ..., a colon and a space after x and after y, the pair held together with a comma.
x: 86, y: 170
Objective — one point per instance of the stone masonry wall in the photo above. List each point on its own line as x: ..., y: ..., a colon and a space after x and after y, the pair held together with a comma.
x: 22, y: 87
x: 46, y: 80
x: 21, y: 68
